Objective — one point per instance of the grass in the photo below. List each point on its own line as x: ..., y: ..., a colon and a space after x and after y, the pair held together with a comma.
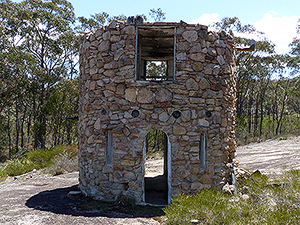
x: 56, y: 161
x: 260, y: 201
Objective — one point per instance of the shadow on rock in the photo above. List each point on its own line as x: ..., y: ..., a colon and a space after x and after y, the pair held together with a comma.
x: 58, y: 202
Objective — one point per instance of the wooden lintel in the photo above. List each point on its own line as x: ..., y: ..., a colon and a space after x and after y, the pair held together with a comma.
x: 247, y: 49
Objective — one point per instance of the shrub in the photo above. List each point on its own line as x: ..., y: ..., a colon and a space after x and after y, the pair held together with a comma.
x: 17, y: 167
x: 260, y: 201
x: 60, y: 159
x: 43, y: 157
x: 63, y: 163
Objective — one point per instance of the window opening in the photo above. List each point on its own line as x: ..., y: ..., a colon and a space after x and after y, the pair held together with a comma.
x: 155, y: 53
x: 109, y: 147
x: 202, y: 151
x: 156, y: 168
x: 156, y: 70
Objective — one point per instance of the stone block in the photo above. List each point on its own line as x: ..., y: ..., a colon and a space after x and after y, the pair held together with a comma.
x: 129, y: 29
x: 191, y: 84
x: 197, y: 66
x: 163, y: 95
x: 190, y: 36
x: 203, y: 123
x: 198, y: 57
x: 177, y: 129
x: 130, y: 94
x: 145, y: 96
x: 111, y: 65
x: 196, y: 186
x: 197, y: 100
x: 129, y: 176
x: 164, y: 117
x: 104, y: 46
x: 206, y: 179
x: 178, y: 162
x: 127, y: 163
x: 181, y: 56
x: 183, y: 46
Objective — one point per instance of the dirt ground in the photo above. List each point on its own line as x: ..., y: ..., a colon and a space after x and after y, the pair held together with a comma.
x: 36, y: 198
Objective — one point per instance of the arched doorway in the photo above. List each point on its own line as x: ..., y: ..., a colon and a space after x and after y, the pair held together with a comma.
x: 157, y: 168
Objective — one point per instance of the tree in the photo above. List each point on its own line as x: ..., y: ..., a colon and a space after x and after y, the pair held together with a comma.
x: 49, y: 38
x: 157, y: 14
x: 38, y: 50
x: 97, y: 20
x: 255, y: 72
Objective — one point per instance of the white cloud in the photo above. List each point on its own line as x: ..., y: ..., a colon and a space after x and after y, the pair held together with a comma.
x: 207, y: 19
x: 279, y: 29
x: 273, y: 12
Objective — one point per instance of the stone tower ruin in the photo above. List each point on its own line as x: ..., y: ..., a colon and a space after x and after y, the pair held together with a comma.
x: 192, y: 102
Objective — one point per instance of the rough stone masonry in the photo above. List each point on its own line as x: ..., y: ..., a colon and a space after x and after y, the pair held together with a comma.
x: 119, y: 105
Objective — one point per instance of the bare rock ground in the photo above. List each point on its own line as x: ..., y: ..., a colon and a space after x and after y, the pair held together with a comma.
x: 154, y: 167
x: 36, y: 198
x: 271, y: 157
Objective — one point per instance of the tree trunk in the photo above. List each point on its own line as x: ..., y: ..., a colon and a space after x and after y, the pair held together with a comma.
x: 261, y: 115
x: 9, y: 138
x: 249, y: 114
x: 22, y: 127
x: 40, y: 132
x: 17, y: 126
x: 28, y: 128
x: 281, y: 113
x: 39, y: 142
x: 256, y: 117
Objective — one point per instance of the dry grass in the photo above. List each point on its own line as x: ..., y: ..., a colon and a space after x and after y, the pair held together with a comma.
x: 54, y: 161
x: 260, y: 201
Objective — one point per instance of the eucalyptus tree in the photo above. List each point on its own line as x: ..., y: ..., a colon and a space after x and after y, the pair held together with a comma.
x: 255, y: 70
x: 49, y: 38
x: 38, y: 50
x: 14, y: 71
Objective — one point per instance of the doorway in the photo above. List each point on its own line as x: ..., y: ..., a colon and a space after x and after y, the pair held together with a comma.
x: 157, y: 167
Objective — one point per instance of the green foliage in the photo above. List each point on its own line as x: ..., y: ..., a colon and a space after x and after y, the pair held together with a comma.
x: 58, y: 160
x: 15, y: 167
x: 260, y: 201
x: 43, y: 157
x: 156, y: 70
x: 97, y: 20
x: 157, y: 14
x: 234, y: 23
x: 38, y: 50
x: 264, y: 94
x: 207, y: 205
x: 66, y: 161
x: 156, y: 143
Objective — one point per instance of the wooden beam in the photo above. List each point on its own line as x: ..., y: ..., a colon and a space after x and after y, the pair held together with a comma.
x: 247, y: 49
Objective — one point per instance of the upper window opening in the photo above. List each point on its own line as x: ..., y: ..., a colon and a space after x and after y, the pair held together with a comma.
x: 155, y: 53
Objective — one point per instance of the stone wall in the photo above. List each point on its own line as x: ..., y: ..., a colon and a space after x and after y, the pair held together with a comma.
x: 203, y: 91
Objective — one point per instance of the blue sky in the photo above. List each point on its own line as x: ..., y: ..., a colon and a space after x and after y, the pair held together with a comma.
x: 277, y: 18
x: 189, y: 10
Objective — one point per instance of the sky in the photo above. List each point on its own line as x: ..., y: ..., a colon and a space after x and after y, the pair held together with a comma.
x: 276, y: 18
